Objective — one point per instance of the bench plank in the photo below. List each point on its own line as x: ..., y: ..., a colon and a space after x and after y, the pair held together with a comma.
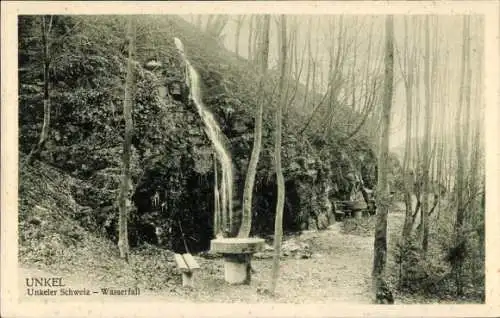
x: 190, y: 261
x: 181, y: 263
x: 187, y: 264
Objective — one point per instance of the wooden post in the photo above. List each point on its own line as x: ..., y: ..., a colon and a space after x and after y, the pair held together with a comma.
x: 187, y: 279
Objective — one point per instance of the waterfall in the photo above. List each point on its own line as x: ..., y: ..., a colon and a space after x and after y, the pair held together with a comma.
x: 216, y: 136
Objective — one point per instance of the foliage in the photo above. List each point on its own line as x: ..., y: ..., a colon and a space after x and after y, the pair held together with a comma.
x: 170, y: 152
x: 431, y: 276
x: 417, y: 274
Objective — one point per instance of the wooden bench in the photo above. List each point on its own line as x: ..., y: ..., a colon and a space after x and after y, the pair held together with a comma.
x: 341, y: 210
x: 188, y: 265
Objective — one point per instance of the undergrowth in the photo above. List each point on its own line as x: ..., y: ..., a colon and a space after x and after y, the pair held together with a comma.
x: 49, y: 238
x: 427, y: 279
x: 429, y: 275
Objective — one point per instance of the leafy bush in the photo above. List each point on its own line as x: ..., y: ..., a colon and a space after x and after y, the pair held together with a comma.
x: 417, y: 274
x: 432, y: 275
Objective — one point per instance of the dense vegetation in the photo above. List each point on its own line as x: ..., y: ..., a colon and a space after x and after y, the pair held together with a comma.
x: 74, y: 68
x: 171, y: 154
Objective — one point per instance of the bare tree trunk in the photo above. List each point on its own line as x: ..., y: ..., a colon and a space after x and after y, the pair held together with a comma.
x: 436, y: 91
x: 278, y: 223
x: 477, y: 145
x: 466, y: 153
x: 457, y: 263
x: 239, y: 23
x: 383, y: 195
x: 256, y: 38
x: 297, y: 73
x: 124, y: 199
x: 290, y: 63
x: 199, y: 23
x: 418, y: 110
x: 246, y: 222
x: 442, y: 158
x: 250, y: 37
x: 410, y: 60
x: 427, y: 140
x: 210, y: 20
x: 309, y: 64
x: 476, y: 173
x: 215, y: 25
x: 34, y: 153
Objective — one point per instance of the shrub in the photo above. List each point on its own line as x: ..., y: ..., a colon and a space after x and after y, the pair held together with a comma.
x: 417, y: 274
x: 432, y: 275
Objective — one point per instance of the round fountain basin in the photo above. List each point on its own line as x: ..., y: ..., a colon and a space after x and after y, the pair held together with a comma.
x: 236, y: 245
x: 237, y: 257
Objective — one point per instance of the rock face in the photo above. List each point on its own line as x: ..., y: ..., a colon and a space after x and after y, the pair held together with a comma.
x: 171, y: 155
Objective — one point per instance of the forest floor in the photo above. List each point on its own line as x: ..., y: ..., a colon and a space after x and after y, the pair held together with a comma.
x: 337, y: 271
x: 337, y: 267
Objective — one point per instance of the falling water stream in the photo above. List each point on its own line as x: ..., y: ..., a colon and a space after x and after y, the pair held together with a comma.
x: 216, y: 136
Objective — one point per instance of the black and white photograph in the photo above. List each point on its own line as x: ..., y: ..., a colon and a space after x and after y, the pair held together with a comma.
x: 252, y: 157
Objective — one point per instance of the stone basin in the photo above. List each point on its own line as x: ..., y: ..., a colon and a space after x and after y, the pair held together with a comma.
x: 237, y: 254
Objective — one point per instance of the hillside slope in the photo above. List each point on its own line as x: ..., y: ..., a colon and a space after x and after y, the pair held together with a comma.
x: 51, y: 237
x: 171, y: 155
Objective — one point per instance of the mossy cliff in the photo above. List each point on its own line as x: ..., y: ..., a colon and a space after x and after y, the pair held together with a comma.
x: 172, y: 158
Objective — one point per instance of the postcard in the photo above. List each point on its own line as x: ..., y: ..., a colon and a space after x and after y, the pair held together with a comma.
x: 250, y: 158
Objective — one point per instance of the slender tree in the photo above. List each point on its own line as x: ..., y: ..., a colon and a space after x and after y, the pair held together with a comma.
x: 239, y: 23
x: 467, y: 104
x: 441, y: 157
x: 199, y: 22
x: 246, y: 222
x: 432, y: 182
x: 295, y: 69
x: 408, y: 82
x: 46, y: 26
x: 383, y: 193
x: 365, y: 102
x: 256, y: 38
x: 477, y: 145
x: 278, y: 223
x: 124, y: 200
x: 216, y: 24
x: 476, y: 179
x: 250, y: 37
x: 309, y: 64
x: 427, y: 140
x: 210, y: 19
x: 416, y: 151
x: 459, y: 248
x: 325, y: 108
